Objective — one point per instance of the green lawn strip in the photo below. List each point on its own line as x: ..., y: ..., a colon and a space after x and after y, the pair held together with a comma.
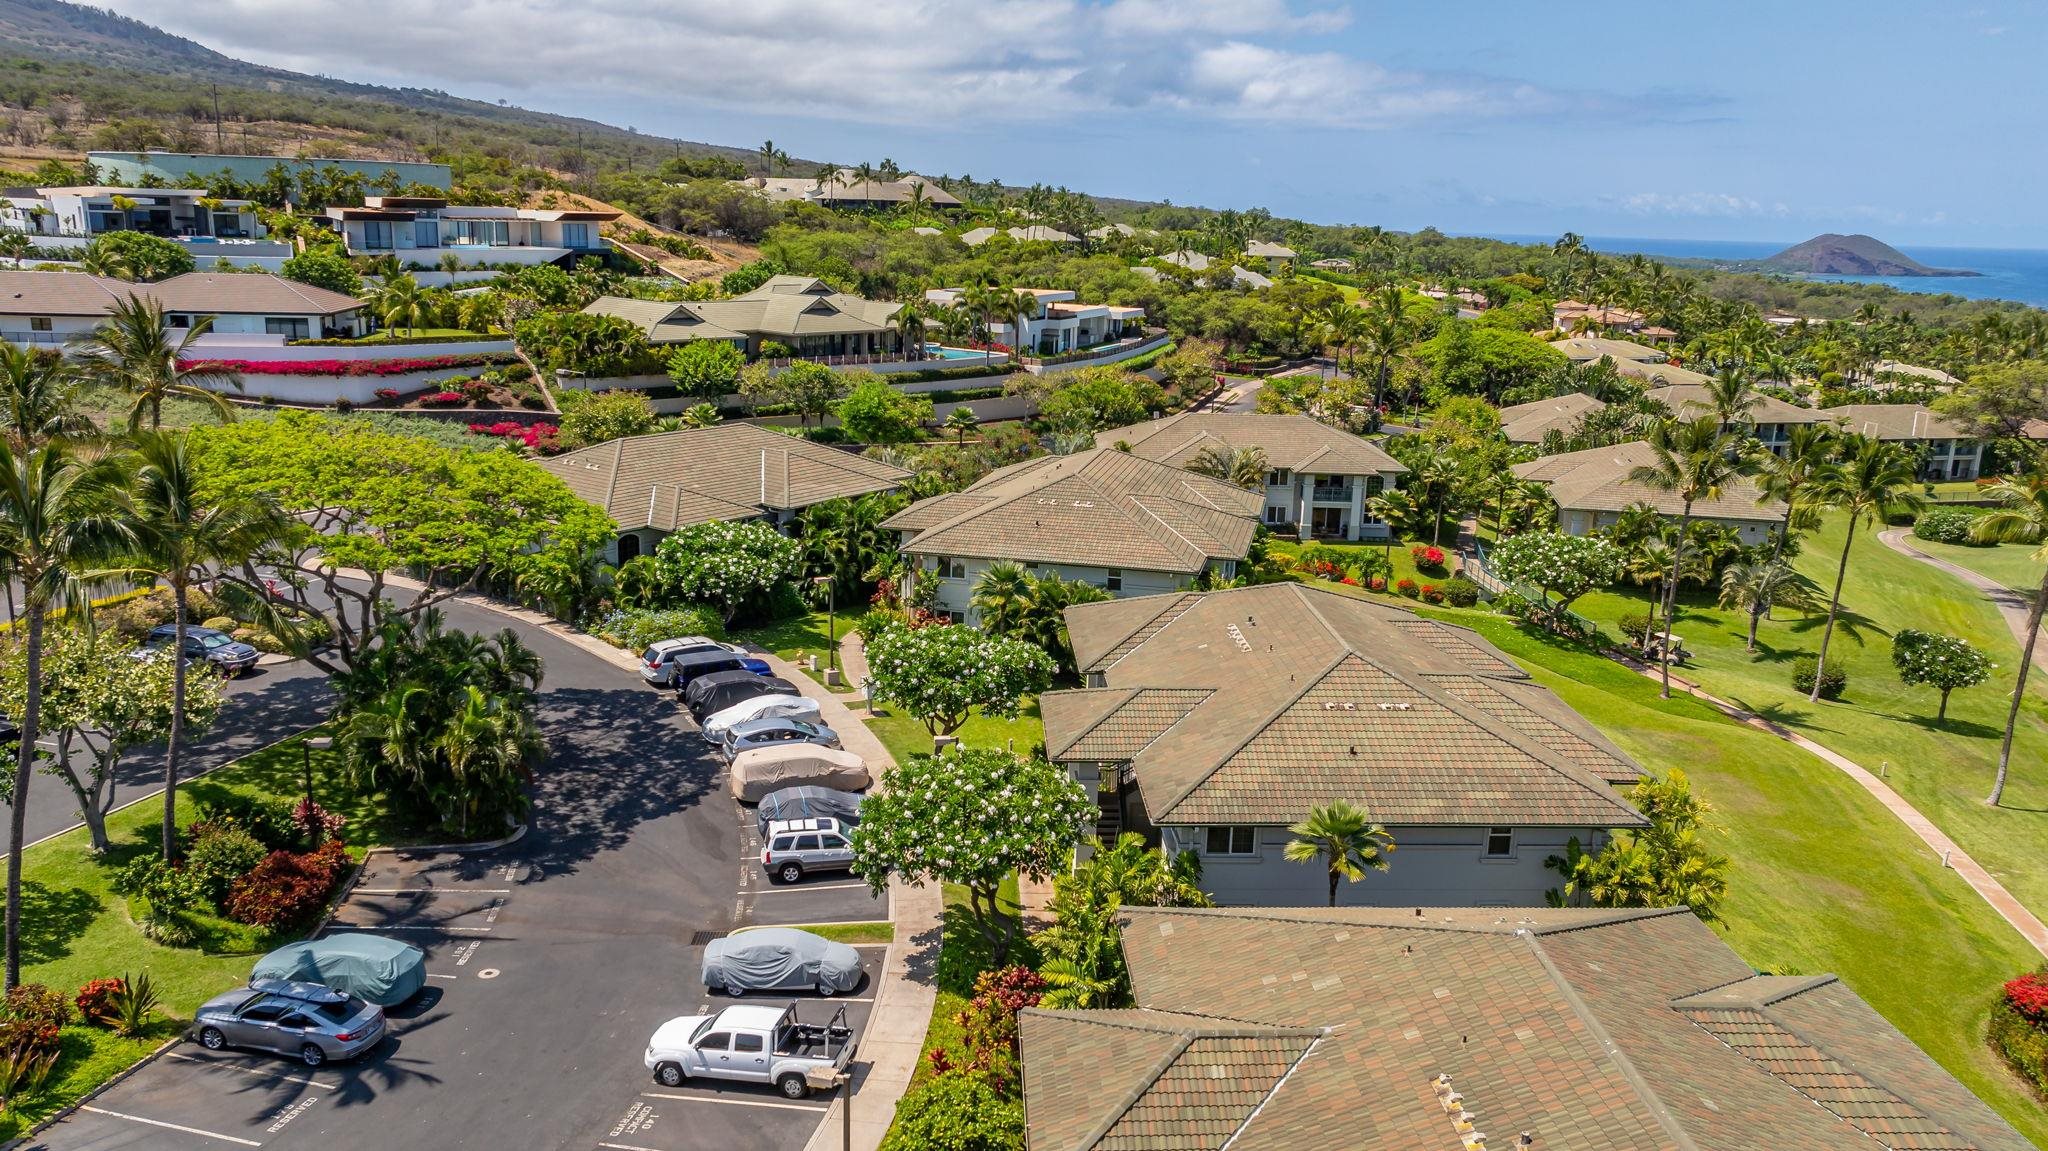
x: 76, y: 928
x: 2010, y: 564
x: 904, y: 736
x: 91, y: 1056
x: 800, y: 637
x: 1944, y: 771
x: 881, y: 931
x: 964, y: 954
x: 1823, y: 878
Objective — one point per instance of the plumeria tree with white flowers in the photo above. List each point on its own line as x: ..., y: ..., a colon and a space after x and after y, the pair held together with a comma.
x: 1559, y: 565
x: 971, y: 816
x: 1939, y: 661
x: 939, y: 674
x: 724, y: 564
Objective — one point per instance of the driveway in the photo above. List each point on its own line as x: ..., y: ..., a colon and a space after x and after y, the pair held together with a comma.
x: 551, y: 961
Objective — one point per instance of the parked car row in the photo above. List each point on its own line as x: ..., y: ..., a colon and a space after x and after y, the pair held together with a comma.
x: 317, y: 1001
x: 676, y: 662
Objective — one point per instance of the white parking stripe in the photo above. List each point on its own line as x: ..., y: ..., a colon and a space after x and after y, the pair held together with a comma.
x: 624, y: 1147
x: 431, y: 891
x: 432, y: 975
x: 228, y: 1066
x: 400, y: 927
x: 809, y: 887
x: 168, y: 1126
x: 736, y: 1102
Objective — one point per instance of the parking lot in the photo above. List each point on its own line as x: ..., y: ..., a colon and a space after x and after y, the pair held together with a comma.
x: 549, y: 963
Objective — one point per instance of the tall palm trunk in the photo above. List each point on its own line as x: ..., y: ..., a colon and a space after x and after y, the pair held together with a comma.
x: 1827, y: 633
x: 24, y: 769
x: 174, y: 745
x: 1671, y: 597
x: 2019, y: 690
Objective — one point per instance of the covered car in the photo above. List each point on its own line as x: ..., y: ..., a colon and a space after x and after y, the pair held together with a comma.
x: 780, y: 959
x: 711, y: 694
x: 759, y: 707
x: 808, y: 802
x: 383, y: 971
x: 760, y: 770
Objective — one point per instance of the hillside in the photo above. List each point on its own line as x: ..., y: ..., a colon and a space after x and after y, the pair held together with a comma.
x: 1856, y: 255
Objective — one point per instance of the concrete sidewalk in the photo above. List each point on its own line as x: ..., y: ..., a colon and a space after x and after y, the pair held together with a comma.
x: 2013, y: 605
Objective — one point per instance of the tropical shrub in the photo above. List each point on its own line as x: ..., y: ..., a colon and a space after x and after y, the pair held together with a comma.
x: 635, y: 628
x: 1377, y: 583
x: 2019, y: 1027
x: 1460, y: 592
x: 36, y: 1004
x: 286, y: 887
x: 96, y: 1001
x: 1944, y: 662
x: 1427, y: 557
x: 221, y: 853
x: 169, y: 893
x: 874, y: 412
x: 585, y: 342
x: 323, y: 268
x: 138, y: 256
x: 1946, y: 526
x: 443, y: 399
x: 988, y: 1027
x: 388, y: 395
x: 707, y: 368
x: 727, y: 565
x: 134, y: 1001
x: 1634, y: 625
x: 600, y: 417
x: 1832, y: 682
x: 1430, y: 593
x: 1406, y: 586
x: 956, y: 1112
x: 1663, y: 865
x: 269, y: 820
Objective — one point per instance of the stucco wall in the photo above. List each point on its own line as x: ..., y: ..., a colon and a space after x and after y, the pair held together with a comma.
x: 1429, y: 867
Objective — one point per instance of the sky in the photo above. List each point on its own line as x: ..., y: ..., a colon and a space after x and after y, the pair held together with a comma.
x: 1919, y: 123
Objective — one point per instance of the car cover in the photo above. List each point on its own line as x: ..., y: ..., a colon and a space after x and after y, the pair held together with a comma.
x: 760, y: 770
x: 711, y: 694
x: 383, y: 971
x: 768, y: 958
x: 808, y: 802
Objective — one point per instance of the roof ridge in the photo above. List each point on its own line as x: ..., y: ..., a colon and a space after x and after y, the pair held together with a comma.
x: 1306, y: 916
x: 1166, y: 808
x: 1274, y: 1089
x: 1128, y: 693
x: 1130, y: 1097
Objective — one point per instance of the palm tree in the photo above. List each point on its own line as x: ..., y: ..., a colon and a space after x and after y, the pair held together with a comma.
x: 999, y: 596
x: 1344, y: 838
x: 15, y: 246
x: 1731, y: 395
x: 2021, y: 518
x: 38, y: 398
x: 56, y: 524
x: 1756, y: 587
x: 182, y: 532
x: 1380, y: 340
x: 490, y: 750
x: 908, y: 321
x: 1043, y: 619
x: 1648, y: 563
x: 401, y: 304
x: 1692, y: 461
x: 1788, y: 476
x: 132, y: 349
x: 1873, y: 480
x: 962, y: 420
x: 1240, y: 467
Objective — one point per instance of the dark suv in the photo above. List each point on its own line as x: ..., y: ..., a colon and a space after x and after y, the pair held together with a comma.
x: 221, y: 651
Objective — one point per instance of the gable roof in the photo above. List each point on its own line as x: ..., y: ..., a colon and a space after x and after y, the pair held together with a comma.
x: 1268, y: 251
x: 199, y: 293
x: 1529, y: 423
x: 1896, y: 422
x: 1591, y: 1029
x: 1295, y: 442
x: 735, y: 471
x: 61, y: 293
x: 1585, y: 349
x: 784, y: 307
x: 1254, y: 705
x: 1693, y: 400
x: 1098, y: 508
x: 976, y: 237
x: 1597, y: 479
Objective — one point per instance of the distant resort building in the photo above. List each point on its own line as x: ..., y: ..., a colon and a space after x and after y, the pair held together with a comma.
x: 1058, y: 323
x: 1036, y: 233
x: 1593, y: 487
x: 1530, y: 423
x: 1946, y: 451
x: 807, y: 316
x: 845, y: 189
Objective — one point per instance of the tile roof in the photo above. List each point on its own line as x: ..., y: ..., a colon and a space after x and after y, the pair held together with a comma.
x: 1896, y: 422
x: 1597, y: 479
x: 1268, y: 251
x: 979, y: 236
x: 61, y: 293
x: 1592, y: 1030
x: 671, y: 480
x: 1584, y: 349
x: 785, y: 307
x: 1099, y: 508
x: 1253, y: 705
x: 201, y: 293
x: 1690, y: 400
x: 1662, y: 375
x: 1297, y: 443
x: 1529, y: 423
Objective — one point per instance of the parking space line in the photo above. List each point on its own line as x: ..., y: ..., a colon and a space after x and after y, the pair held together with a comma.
x: 168, y: 1126
x: 435, y: 975
x: 624, y: 1147
x: 795, y: 887
x: 736, y: 1102
x: 400, y: 927
x: 431, y: 891
x: 225, y: 1065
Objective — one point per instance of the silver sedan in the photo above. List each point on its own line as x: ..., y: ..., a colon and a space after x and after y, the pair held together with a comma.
x: 305, y: 1020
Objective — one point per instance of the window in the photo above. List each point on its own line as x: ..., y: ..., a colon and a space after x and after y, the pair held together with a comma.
x: 181, y: 321
x: 267, y: 1013
x: 716, y: 1041
x: 576, y: 236
x: 783, y: 844
x: 1374, y: 485
x: 807, y: 843
x: 295, y: 1021
x: 1232, y: 841
x: 1276, y: 477
x: 834, y: 843
x: 377, y: 234
x: 39, y: 323
x: 949, y: 568
x: 1275, y: 514
x: 1114, y: 581
x: 426, y: 234
x: 289, y: 329
x: 746, y: 1043
x: 1500, y: 842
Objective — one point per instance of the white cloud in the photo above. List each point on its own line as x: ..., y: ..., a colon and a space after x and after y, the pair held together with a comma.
x: 1720, y: 204
x: 947, y: 64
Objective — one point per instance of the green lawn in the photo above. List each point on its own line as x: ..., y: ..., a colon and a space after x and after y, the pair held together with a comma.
x: 1403, y: 560
x: 2010, y: 564
x: 1824, y: 879
x: 1945, y: 771
x: 76, y: 928
x: 800, y: 637
x: 963, y: 954
x: 904, y: 736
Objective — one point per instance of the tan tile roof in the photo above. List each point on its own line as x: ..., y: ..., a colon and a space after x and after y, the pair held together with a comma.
x: 1692, y: 400
x: 1254, y: 705
x: 1896, y: 422
x: 1267, y: 251
x: 1597, y: 479
x: 1586, y: 1028
x: 1585, y: 349
x: 60, y: 293
x: 1099, y: 508
x: 1661, y: 375
x: 200, y: 293
x: 785, y: 307
x: 1529, y: 423
x: 671, y: 480
x: 1297, y: 443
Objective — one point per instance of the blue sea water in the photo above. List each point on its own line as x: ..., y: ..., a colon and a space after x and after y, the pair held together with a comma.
x: 2004, y: 273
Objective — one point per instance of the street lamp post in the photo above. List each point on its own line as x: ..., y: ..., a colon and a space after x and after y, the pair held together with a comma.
x: 831, y: 627
x: 311, y: 745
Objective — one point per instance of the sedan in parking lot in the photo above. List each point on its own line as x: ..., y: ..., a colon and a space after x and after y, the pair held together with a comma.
x: 305, y: 1020
x: 775, y: 732
x: 760, y: 707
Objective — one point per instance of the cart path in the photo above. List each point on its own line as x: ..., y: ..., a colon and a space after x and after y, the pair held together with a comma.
x: 2013, y: 605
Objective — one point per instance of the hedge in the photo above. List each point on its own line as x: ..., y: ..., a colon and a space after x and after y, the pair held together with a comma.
x: 1946, y: 526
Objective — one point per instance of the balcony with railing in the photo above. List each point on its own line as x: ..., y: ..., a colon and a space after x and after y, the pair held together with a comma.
x: 1335, y: 492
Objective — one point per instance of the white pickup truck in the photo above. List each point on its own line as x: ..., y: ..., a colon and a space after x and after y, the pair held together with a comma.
x: 751, y: 1044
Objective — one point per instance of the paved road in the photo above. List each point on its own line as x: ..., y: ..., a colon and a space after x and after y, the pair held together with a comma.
x: 2014, y: 606
x: 552, y: 961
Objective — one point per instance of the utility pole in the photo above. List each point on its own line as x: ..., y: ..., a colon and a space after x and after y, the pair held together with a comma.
x: 220, y: 143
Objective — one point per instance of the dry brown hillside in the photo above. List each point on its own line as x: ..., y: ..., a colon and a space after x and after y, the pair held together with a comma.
x: 727, y: 254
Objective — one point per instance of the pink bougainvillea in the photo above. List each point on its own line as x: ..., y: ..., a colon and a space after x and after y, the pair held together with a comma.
x: 396, y: 367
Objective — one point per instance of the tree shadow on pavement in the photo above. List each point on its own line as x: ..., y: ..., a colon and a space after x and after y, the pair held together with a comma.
x: 618, y: 757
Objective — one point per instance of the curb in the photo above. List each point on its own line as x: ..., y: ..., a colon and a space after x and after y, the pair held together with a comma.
x: 72, y: 1108
x: 466, y: 848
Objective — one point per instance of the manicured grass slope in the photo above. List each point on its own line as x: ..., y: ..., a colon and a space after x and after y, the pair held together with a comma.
x: 2009, y: 564
x: 1823, y: 879
x: 904, y: 736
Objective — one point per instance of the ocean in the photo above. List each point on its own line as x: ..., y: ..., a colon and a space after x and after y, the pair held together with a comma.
x: 2005, y: 273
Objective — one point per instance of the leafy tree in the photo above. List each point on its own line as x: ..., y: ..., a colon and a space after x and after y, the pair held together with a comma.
x: 1091, y: 399
x: 972, y: 817
x: 1692, y: 460
x: 1465, y: 359
x: 705, y: 368
x: 1190, y: 368
x: 374, y: 502
x: 134, y: 351
x: 98, y: 701
x: 1999, y: 399
x: 876, y: 413
x: 1084, y: 963
x: 136, y: 256
x: 1663, y: 865
x: 583, y: 342
x: 747, y: 277
x: 1561, y: 565
x: 809, y: 387
x: 939, y: 674
x: 2020, y: 518
x: 601, y: 417
x: 1874, y: 480
x: 1944, y: 662
x: 1043, y: 619
x: 727, y: 564
x: 324, y: 268
x: 1344, y: 839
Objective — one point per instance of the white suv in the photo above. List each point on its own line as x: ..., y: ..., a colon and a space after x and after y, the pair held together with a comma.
x: 795, y: 847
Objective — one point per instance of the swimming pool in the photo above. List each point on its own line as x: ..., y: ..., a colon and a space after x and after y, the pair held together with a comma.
x: 934, y: 351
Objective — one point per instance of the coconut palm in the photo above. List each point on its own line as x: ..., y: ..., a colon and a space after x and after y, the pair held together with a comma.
x: 1690, y: 460
x: 133, y: 350
x: 58, y: 526
x: 1043, y: 618
x: 181, y: 532
x: 1380, y: 340
x: 999, y: 596
x: 38, y: 398
x: 1756, y: 587
x: 1732, y: 395
x: 1344, y: 838
x: 1789, y: 476
x: 401, y: 304
x: 1872, y: 480
x: 962, y: 420
x: 2020, y: 518
x: 908, y: 321
x: 1241, y: 467
x: 15, y: 246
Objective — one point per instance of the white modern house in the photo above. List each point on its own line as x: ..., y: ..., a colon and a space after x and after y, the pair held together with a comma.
x: 91, y: 211
x: 422, y: 229
x: 1057, y: 322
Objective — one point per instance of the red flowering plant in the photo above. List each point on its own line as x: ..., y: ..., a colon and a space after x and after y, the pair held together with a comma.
x: 1428, y: 557
x: 2028, y: 995
x: 1377, y: 583
x: 1405, y: 586
x: 442, y: 399
x: 394, y: 367
x: 1431, y: 593
x: 387, y: 394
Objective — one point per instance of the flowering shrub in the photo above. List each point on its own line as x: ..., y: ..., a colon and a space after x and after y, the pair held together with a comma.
x: 1427, y: 557
x: 938, y: 674
x: 35, y: 1003
x: 287, y: 888
x: 2019, y: 1027
x: 544, y: 439
x: 96, y: 1001
x: 397, y: 367
x: 2028, y: 995
x: 1557, y: 564
x: 1939, y: 661
x: 388, y: 395
x: 988, y: 1025
x: 442, y: 399
x: 1348, y: 582
x: 1431, y: 593
x: 634, y: 629
x: 1377, y: 583
x: 1405, y: 586
x: 1946, y: 526
x: 316, y: 824
x: 724, y: 564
